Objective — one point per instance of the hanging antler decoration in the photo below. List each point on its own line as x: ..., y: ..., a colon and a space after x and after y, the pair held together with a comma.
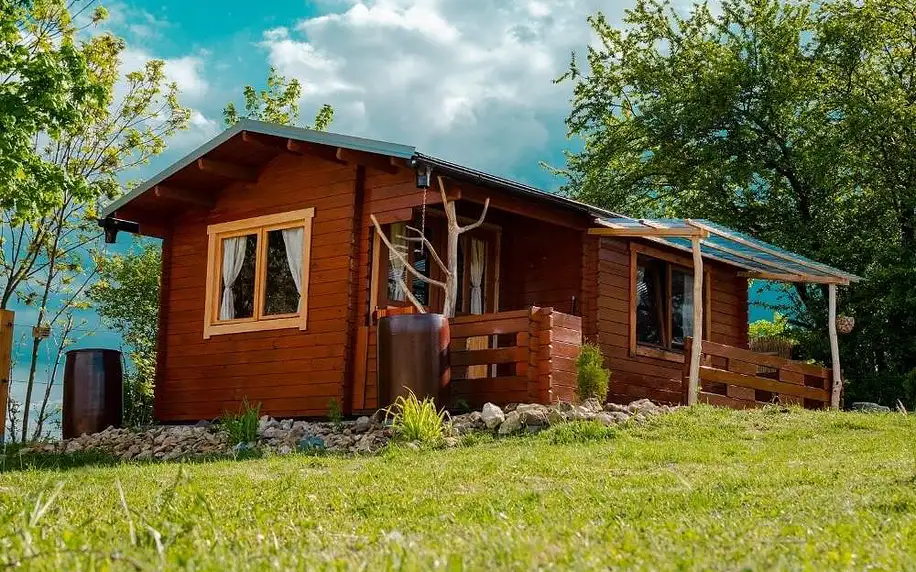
x: 450, y: 270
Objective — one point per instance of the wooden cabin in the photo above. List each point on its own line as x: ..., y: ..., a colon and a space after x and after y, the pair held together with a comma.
x: 273, y: 280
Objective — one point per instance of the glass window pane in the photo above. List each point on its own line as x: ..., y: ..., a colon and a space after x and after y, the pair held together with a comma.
x: 681, y: 307
x: 651, y: 305
x: 237, y: 277
x: 421, y: 262
x: 284, y: 271
x: 396, y: 233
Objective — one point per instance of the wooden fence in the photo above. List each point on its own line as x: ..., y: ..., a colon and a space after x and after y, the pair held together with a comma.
x: 739, y: 378
x: 528, y: 356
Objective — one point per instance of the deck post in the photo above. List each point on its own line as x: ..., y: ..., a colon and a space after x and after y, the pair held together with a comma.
x: 696, y: 349
x: 834, y: 347
x: 6, y: 364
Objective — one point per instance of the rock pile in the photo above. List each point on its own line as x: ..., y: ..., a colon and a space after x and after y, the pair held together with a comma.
x: 163, y: 442
x: 533, y: 417
x: 363, y: 436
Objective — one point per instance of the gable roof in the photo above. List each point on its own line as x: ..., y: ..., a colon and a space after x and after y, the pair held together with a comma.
x: 758, y: 258
x: 375, y: 146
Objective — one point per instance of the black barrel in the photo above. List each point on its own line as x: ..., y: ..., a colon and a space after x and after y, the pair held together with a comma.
x: 93, y: 391
x: 413, y: 355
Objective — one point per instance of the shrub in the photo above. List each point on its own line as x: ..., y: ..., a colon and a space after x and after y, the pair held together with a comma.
x: 416, y: 420
x: 242, y: 426
x: 591, y: 376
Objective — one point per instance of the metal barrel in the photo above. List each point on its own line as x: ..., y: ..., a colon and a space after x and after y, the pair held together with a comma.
x: 93, y: 391
x: 413, y: 355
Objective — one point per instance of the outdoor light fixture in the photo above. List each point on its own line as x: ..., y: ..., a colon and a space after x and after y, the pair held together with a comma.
x: 424, y: 174
x: 113, y: 225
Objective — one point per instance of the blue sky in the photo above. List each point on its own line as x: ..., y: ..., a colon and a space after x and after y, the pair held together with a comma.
x: 468, y: 80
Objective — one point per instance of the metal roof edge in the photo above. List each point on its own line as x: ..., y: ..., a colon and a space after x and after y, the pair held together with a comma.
x: 488, y: 179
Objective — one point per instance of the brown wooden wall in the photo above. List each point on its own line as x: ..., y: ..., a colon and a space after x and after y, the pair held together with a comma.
x: 635, y: 377
x: 289, y: 372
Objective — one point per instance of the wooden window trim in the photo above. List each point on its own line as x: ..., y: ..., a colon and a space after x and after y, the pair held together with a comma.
x: 686, y: 263
x: 258, y: 226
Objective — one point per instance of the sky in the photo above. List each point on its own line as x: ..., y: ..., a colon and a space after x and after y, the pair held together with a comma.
x: 471, y: 81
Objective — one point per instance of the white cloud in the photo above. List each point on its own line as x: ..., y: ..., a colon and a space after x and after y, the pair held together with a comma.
x: 471, y: 80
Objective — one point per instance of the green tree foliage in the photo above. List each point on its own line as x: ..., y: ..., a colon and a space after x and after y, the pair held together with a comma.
x: 45, y: 88
x: 43, y: 260
x: 127, y: 297
x: 789, y: 120
x: 278, y: 103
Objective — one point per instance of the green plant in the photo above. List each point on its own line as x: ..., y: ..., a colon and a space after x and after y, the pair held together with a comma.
x: 242, y: 427
x: 414, y: 419
x: 462, y: 406
x: 335, y: 414
x: 578, y: 432
x: 591, y: 376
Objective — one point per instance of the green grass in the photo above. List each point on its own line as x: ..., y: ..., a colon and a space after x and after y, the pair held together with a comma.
x: 697, y: 490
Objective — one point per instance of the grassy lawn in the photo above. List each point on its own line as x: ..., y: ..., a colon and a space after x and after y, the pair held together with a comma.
x: 696, y: 490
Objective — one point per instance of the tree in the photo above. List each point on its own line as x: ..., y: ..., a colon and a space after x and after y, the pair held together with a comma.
x: 278, y: 103
x: 44, y: 262
x: 790, y: 121
x: 127, y: 298
x: 45, y: 85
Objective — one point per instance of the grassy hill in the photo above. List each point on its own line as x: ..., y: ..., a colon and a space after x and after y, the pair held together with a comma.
x: 697, y: 490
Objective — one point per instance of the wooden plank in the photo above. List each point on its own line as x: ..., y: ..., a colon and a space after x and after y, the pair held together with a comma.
x: 187, y: 196
x: 475, y: 318
x: 500, y: 326
x: 371, y: 160
x: 488, y: 356
x: 228, y: 170
x: 725, y: 401
x: 635, y: 232
x: 6, y: 364
x: 803, y: 278
x: 710, y: 348
x: 761, y: 383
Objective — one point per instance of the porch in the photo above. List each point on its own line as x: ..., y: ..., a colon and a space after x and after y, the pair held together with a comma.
x: 517, y: 356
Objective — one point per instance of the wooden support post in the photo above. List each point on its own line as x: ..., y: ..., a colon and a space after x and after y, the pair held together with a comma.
x: 696, y: 349
x: 6, y: 364
x: 834, y: 347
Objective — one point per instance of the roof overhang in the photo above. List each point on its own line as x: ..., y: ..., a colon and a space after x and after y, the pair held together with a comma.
x: 756, y: 258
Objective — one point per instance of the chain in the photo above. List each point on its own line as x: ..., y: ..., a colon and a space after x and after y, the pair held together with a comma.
x: 423, y: 221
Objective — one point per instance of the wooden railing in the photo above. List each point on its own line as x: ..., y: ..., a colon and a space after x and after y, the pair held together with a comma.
x: 514, y: 357
x: 739, y: 378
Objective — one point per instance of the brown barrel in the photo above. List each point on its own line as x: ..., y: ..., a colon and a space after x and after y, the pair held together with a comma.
x: 413, y: 354
x: 92, y: 391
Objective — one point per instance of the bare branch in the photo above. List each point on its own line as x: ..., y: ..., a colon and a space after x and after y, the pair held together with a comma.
x: 432, y: 251
x: 400, y: 256
x: 483, y: 215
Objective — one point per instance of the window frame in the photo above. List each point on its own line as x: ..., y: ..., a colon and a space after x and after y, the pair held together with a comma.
x: 258, y: 226
x: 436, y: 221
x: 638, y: 348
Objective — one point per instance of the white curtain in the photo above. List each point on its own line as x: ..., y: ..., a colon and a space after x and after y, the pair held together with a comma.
x: 687, y: 306
x: 478, y: 259
x: 396, y: 267
x: 233, y: 257
x: 475, y: 277
x: 292, y: 239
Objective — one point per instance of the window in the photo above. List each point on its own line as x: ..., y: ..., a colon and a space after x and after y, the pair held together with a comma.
x: 257, y: 273
x: 662, y: 304
x: 419, y: 259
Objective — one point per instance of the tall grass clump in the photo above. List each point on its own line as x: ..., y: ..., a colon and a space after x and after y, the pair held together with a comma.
x: 242, y: 426
x: 413, y: 419
x: 591, y: 377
